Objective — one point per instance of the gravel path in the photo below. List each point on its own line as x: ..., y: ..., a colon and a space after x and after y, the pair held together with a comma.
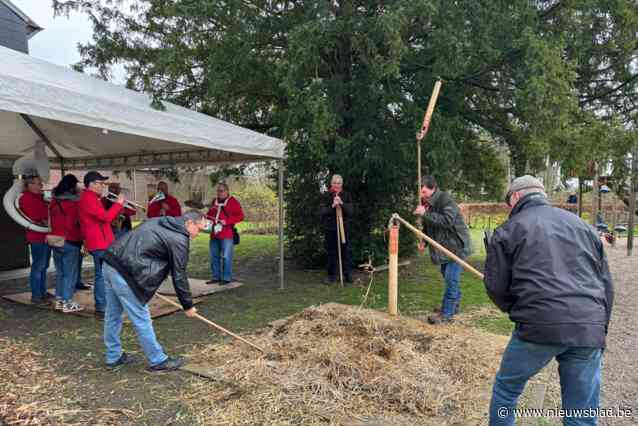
x: 620, y: 368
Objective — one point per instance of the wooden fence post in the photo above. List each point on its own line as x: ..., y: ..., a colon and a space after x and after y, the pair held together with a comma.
x: 393, y: 271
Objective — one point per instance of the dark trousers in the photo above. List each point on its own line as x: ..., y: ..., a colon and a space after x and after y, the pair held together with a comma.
x: 333, y: 255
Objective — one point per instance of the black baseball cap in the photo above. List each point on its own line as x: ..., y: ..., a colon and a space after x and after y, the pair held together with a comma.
x: 92, y: 176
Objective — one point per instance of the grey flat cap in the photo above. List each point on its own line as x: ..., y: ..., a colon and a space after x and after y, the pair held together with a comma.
x: 525, y: 182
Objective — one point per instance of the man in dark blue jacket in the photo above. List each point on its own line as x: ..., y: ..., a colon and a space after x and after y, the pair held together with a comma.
x: 547, y: 269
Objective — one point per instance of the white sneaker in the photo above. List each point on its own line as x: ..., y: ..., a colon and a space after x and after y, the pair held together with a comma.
x: 59, y: 305
x: 72, y: 306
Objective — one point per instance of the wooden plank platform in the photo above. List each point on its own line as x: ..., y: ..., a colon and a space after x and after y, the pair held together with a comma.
x: 85, y: 298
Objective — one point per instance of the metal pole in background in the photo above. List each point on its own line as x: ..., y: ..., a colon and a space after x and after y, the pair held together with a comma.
x: 595, y: 195
x: 633, y: 181
x: 281, y: 224
x: 580, y: 196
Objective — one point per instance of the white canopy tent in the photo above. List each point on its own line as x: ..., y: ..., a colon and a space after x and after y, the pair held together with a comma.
x: 88, y: 123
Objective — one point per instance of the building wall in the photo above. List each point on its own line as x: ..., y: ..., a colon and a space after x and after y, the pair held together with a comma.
x: 13, y: 30
x: 13, y: 243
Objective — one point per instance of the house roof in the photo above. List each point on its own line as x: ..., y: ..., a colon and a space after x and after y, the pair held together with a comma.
x: 33, y: 27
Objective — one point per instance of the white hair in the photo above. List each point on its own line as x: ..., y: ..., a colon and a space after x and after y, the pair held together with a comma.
x: 339, y: 177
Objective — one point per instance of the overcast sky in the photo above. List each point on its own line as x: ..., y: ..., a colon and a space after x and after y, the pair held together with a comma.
x: 58, y: 42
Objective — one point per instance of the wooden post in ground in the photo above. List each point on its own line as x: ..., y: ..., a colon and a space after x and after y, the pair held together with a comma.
x: 393, y: 271
x: 420, y: 136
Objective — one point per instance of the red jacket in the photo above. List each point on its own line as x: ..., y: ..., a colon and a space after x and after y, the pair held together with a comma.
x: 65, y: 219
x: 231, y: 213
x: 36, y: 209
x: 174, y: 207
x: 95, y: 222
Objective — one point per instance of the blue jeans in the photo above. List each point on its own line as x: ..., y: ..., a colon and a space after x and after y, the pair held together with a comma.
x: 452, y: 296
x: 98, y: 286
x: 578, y: 367
x: 66, y: 267
x: 119, y: 299
x: 78, y: 282
x: 40, y: 258
x: 221, y: 249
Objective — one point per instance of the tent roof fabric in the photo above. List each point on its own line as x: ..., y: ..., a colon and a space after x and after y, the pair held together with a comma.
x: 93, y: 123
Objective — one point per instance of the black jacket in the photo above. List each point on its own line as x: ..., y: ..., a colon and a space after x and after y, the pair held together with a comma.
x: 146, y: 255
x: 547, y: 269
x: 444, y: 223
x: 329, y: 215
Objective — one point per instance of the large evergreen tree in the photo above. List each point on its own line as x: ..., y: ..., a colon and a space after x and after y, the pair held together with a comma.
x: 345, y: 83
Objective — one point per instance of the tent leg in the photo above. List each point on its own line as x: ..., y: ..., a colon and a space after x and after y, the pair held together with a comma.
x: 281, y: 224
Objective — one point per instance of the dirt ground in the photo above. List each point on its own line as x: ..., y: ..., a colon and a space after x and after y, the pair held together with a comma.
x: 620, y: 363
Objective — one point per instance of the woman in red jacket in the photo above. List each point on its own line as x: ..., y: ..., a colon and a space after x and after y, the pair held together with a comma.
x: 225, y: 212
x: 33, y: 206
x: 65, y: 222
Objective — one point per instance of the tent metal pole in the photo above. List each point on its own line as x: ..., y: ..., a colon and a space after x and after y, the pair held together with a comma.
x: 281, y: 224
x: 44, y: 137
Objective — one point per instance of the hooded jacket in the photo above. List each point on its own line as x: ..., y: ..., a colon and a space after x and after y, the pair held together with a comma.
x: 148, y: 254
x: 95, y: 221
x: 65, y: 217
x: 547, y: 269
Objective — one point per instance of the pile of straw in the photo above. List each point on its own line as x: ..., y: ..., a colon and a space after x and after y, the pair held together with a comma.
x: 335, y: 364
